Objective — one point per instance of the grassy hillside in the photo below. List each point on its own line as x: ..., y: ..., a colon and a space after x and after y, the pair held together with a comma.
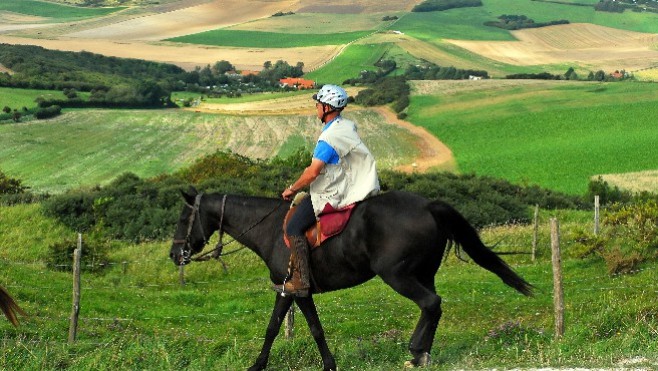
x: 554, y: 134
x: 136, y: 315
x: 89, y: 147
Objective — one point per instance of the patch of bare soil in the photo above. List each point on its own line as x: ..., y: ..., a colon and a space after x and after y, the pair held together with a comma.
x: 434, y: 154
x: 587, y: 44
x: 185, y: 21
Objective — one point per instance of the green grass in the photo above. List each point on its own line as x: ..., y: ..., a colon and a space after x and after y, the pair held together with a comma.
x: 349, y: 64
x: 91, y: 147
x: 19, y: 98
x: 137, y: 316
x: 556, y: 135
x: 468, y: 23
x: 245, y: 98
x: 50, y: 10
x: 258, y: 39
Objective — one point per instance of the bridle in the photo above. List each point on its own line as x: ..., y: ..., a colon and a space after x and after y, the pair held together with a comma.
x: 186, y: 248
x: 217, y: 252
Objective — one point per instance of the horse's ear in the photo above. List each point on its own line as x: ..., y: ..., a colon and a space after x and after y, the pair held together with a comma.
x: 189, y: 195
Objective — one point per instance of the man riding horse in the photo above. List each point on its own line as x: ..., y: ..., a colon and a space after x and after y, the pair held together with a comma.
x: 342, y: 172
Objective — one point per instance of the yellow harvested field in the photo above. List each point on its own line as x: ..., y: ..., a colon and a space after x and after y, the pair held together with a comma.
x: 634, y: 182
x: 137, y: 35
x: 186, y: 56
x: 185, y: 21
x: 590, y: 45
x: 349, y: 6
x: 314, y: 23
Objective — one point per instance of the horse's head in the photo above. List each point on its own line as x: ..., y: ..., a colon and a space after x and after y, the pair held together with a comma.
x: 190, y: 236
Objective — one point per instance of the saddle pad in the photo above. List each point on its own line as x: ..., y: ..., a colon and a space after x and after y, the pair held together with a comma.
x: 330, y: 223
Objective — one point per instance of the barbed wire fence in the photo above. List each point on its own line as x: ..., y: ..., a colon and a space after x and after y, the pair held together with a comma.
x: 74, y: 319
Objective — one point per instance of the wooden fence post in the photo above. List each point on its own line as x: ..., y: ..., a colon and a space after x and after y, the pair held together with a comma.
x: 558, y: 296
x: 535, y: 233
x: 597, y: 208
x: 290, y: 322
x: 75, y: 311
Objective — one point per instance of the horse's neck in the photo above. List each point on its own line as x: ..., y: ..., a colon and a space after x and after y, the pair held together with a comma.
x: 255, y: 222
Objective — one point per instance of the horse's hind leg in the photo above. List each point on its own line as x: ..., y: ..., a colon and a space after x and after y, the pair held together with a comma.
x: 307, y: 306
x: 281, y: 306
x: 430, y: 314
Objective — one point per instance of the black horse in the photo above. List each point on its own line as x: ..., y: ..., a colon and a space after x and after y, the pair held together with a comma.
x: 400, y: 237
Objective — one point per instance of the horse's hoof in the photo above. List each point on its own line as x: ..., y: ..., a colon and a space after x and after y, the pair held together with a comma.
x: 422, y: 361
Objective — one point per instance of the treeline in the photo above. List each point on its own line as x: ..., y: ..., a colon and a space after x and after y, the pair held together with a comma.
x: 135, y: 209
x: 518, y: 22
x: 571, y: 74
x: 35, y: 67
x: 383, y: 89
x: 440, y: 5
x: 121, y: 82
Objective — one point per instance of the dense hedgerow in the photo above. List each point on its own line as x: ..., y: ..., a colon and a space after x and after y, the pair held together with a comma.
x: 440, y: 5
x: 135, y: 209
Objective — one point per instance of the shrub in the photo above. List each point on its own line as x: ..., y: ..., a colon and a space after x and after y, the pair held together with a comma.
x: 629, y: 236
x: 440, y: 5
x: 10, y: 186
x: 94, y: 257
x: 48, y: 112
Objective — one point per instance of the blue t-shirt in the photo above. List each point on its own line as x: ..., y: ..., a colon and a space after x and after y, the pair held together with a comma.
x: 324, y: 152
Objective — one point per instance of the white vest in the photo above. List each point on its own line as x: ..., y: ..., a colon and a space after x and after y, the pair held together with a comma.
x: 353, y: 178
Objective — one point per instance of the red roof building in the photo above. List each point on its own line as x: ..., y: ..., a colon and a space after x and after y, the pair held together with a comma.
x: 298, y: 83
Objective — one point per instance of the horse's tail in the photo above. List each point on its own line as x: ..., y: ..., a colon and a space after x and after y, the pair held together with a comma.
x: 9, y: 307
x: 462, y: 233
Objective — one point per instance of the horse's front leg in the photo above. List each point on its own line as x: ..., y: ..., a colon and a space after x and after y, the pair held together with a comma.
x: 281, y: 306
x: 307, y: 306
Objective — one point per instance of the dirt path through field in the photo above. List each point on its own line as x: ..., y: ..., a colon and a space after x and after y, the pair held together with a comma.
x: 433, y: 153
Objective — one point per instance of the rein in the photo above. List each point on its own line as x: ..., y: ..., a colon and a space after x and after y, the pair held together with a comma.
x: 217, y: 252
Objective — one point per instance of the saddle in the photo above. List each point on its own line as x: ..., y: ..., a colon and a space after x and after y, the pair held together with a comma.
x: 330, y: 222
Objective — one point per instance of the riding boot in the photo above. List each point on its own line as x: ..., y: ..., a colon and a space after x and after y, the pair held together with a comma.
x: 299, y: 282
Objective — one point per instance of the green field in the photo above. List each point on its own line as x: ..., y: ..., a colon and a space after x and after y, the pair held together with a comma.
x: 257, y: 39
x: 468, y: 23
x: 349, y: 64
x: 135, y: 315
x: 49, y: 10
x: 554, y: 134
x: 90, y: 147
x: 19, y: 98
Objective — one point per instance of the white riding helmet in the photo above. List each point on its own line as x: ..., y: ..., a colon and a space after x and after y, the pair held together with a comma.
x: 332, y: 95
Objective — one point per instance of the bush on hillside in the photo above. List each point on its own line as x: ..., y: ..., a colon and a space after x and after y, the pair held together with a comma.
x: 440, y: 5
x: 518, y: 22
x: 48, y: 112
x: 629, y: 236
x: 10, y: 186
x: 135, y: 209
x: 94, y: 257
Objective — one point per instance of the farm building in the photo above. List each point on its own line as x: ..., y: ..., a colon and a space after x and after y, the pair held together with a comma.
x: 297, y: 83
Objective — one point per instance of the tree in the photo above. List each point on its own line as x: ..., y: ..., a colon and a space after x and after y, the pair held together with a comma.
x: 6, y: 109
x: 267, y: 65
x: 222, y: 67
